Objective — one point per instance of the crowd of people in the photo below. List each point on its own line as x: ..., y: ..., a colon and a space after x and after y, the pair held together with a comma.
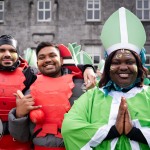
x: 48, y: 109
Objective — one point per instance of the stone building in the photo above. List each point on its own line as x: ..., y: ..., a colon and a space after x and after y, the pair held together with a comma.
x: 66, y: 21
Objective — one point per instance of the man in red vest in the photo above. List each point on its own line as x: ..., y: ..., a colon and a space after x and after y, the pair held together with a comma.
x: 14, y: 74
x: 51, y: 96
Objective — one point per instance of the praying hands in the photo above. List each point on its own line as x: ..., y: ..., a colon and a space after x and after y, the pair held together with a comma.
x: 123, y: 122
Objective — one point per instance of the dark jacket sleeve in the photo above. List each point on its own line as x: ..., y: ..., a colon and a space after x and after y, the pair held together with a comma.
x: 83, y: 67
x: 136, y: 135
x: 19, y: 127
x: 77, y: 91
x: 30, y: 75
x: 113, y: 133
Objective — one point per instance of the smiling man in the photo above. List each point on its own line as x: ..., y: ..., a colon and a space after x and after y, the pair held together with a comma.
x: 55, y: 90
x: 49, y: 61
x: 14, y: 74
x: 8, y: 52
x: 8, y: 55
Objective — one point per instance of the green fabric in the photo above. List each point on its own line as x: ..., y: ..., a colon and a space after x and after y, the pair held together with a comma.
x: 139, y: 109
x: 91, y: 111
x: 111, y: 34
x: 84, y: 58
x: 84, y: 123
x: 101, y: 64
x: 77, y: 49
x: 79, y: 56
x: 71, y: 48
x: 74, y: 44
x: 146, y: 81
x: 123, y: 143
x: 110, y: 37
x: 136, y: 32
x: 30, y: 57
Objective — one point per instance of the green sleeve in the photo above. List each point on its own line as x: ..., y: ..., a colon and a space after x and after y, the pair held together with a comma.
x: 76, y: 128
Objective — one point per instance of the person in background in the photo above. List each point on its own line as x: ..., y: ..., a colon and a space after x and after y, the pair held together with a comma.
x: 115, y: 115
x: 14, y: 74
x: 51, y: 96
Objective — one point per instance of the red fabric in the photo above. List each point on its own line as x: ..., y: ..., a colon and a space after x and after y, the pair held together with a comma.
x: 8, y: 143
x: 76, y: 71
x: 53, y: 94
x: 48, y: 148
x: 66, y: 54
x: 24, y: 63
x: 37, y: 116
x: 10, y: 82
x: 6, y: 104
x: 64, y: 51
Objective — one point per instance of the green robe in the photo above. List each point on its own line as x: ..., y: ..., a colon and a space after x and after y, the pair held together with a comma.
x: 88, y: 122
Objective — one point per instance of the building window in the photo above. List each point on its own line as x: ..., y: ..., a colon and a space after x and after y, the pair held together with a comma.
x: 143, y: 9
x: 147, y: 64
x: 95, y: 52
x: 44, y: 10
x: 1, y: 11
x: 93, y: 12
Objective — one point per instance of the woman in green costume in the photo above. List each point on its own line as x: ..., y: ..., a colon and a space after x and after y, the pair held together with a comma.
x: 115, y: 115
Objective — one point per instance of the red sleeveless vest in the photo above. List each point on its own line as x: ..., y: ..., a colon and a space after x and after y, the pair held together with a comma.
x: 10, y: 82
x: 53, y: 94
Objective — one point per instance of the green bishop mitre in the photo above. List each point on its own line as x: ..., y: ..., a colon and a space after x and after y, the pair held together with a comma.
x: 123, y: 30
